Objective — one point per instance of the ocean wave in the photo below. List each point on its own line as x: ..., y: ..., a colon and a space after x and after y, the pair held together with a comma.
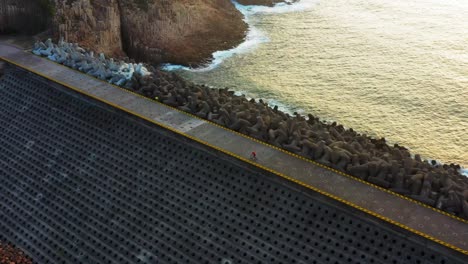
x: 464, y: 172
x: 254, y: 37
x: 280, y: 8
x: 271, y: 102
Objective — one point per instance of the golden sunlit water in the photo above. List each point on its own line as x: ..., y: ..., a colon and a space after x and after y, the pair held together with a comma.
x: 393, y: 69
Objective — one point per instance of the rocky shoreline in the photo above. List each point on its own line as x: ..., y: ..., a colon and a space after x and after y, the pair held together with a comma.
x: 154, y: 31
x: 369, y: 159
x: 157, y: 31
x: 178, y: 31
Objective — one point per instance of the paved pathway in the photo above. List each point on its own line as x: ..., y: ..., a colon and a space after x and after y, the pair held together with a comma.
x: 387, y: 206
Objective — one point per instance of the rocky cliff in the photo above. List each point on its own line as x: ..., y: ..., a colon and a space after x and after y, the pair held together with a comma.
x: 24, y: 16
x: 95, y: 24
x: 177, y: 31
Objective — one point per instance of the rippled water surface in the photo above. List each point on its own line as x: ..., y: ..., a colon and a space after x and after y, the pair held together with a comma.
x: 395, y: 69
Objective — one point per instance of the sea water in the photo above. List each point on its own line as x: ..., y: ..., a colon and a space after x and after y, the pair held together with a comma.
x: 395, y: 69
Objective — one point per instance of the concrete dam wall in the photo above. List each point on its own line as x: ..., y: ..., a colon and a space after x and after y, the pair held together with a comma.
x: 83, y: 182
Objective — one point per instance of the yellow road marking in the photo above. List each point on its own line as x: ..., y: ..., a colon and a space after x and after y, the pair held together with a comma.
x: 256, y: 164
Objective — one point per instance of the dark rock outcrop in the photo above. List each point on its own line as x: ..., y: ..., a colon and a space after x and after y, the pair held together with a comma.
x: 24, y: 16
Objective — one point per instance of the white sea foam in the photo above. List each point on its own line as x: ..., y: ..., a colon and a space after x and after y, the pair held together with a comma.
x: 271, y: 102
x: 464, y: 172
x: 279, y: 8
x: 252, y: 40
x: 254, y: 37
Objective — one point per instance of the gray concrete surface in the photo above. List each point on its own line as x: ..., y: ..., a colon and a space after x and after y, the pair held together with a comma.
x: 407, y: 214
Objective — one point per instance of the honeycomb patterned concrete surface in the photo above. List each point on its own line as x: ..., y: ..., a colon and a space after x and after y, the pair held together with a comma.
x: 82, y: 182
